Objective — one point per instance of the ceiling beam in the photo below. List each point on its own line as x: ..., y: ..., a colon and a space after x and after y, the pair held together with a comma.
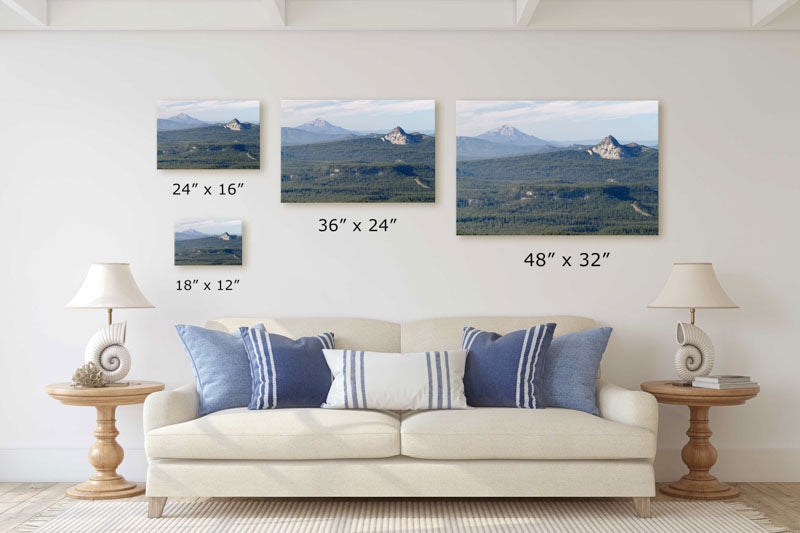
x: 765, y: 11
x: 525, y: 11
x: 34, y: 11
x: 277, y: 9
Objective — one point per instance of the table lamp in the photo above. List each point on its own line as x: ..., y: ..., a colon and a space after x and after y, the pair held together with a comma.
x: 109, y: 286
x: 693, y: 286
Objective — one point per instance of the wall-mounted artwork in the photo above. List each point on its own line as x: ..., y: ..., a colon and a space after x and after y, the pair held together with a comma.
x: 557, y: 167
x: 209, y: 134
x: 358, y: 150
x: 208, y: 242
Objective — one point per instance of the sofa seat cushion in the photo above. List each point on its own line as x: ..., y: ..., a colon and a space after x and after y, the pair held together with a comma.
x: 288, y: 434
x: 509, y: 433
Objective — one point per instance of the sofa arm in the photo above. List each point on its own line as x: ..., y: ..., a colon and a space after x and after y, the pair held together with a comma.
x: 634, y: 408
x: 170, y: 407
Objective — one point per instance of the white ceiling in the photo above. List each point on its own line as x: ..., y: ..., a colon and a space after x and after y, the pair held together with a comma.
x: 400, y: 14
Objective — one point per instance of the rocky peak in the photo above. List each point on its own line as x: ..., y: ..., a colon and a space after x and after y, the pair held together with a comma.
x: 610, y: 148
x: 399, y: 136
x: 226, y: 236
x: 234, y: 125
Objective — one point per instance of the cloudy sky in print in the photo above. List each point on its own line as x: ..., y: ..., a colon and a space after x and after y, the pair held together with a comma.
x: 212, y: 110
x: 210, y: 226
x: 362, y: 115
x: 562, y: 120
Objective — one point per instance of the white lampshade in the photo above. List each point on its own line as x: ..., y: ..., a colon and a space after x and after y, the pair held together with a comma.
x: 693, y: 286
x: 109, y: 286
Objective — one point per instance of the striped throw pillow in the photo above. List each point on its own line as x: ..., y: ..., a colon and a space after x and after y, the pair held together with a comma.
x: 395, y: 381
x: 506, y: 370
x: 286, y: 372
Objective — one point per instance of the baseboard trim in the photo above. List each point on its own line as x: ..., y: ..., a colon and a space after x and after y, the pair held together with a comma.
x: 72, y: 465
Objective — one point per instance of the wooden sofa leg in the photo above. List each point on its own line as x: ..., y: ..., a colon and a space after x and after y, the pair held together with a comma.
x: 642, y: 506
x: 155, y: 506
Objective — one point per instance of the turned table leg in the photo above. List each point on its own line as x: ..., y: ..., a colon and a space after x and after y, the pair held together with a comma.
x: 105, y: 455
x: 699, y: 455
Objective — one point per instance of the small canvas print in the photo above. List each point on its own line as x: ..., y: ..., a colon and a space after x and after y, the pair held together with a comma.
x: 208, y: 134
x: 557, y: 167
x: 208, y: 242
x: 358, y: 150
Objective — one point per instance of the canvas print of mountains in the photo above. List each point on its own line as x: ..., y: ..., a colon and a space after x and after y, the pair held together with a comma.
x: 208, y: 242
x: 557, y: 167
x: 208, y: 134
x: 358, y: 151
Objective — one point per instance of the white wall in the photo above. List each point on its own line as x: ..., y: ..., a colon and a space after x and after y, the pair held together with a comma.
x: 78, y: 184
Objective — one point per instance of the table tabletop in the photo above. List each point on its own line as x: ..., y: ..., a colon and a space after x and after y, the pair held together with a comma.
x: 674, y: 392
x: 115, y: 394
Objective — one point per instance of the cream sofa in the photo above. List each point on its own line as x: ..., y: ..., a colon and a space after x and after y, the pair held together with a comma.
x: 482, y: 452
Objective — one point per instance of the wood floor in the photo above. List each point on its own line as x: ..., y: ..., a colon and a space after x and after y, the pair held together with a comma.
x: 21, y: 501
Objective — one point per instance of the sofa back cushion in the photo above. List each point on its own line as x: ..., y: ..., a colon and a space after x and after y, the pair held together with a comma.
x: 416, y: 336
x: 351, y: 333
x: 446, y: 333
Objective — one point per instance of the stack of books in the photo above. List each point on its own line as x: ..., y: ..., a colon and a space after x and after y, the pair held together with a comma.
x: 723, y: 382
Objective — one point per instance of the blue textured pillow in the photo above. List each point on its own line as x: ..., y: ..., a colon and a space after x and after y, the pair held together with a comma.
x: 570, y: 369
x: 220, y: 365
x: 506, y: 371
x: 286, y: 372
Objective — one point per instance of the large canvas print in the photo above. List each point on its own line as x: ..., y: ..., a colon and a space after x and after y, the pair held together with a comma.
x: 208, y: 242
x: 358, y: 151
x: 557, y: 167
x: 208, y: 134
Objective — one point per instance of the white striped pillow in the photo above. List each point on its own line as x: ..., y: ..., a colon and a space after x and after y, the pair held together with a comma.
x: 395, y: 381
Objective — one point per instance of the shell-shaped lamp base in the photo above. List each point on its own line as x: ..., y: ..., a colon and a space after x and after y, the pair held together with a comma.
x: 695, y: 357
x: 107, y: 350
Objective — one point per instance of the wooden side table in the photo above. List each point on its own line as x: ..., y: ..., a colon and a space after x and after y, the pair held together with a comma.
x: 106, y: 454
x: 698, y: 454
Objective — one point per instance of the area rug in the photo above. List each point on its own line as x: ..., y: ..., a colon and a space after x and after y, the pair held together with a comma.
x: 364, y: 516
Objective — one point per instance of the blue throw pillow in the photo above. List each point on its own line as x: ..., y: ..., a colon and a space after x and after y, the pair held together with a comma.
x: 570, y: 369
x: 506, y: 371
x: 286, y: 372
x: 220, y: 365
